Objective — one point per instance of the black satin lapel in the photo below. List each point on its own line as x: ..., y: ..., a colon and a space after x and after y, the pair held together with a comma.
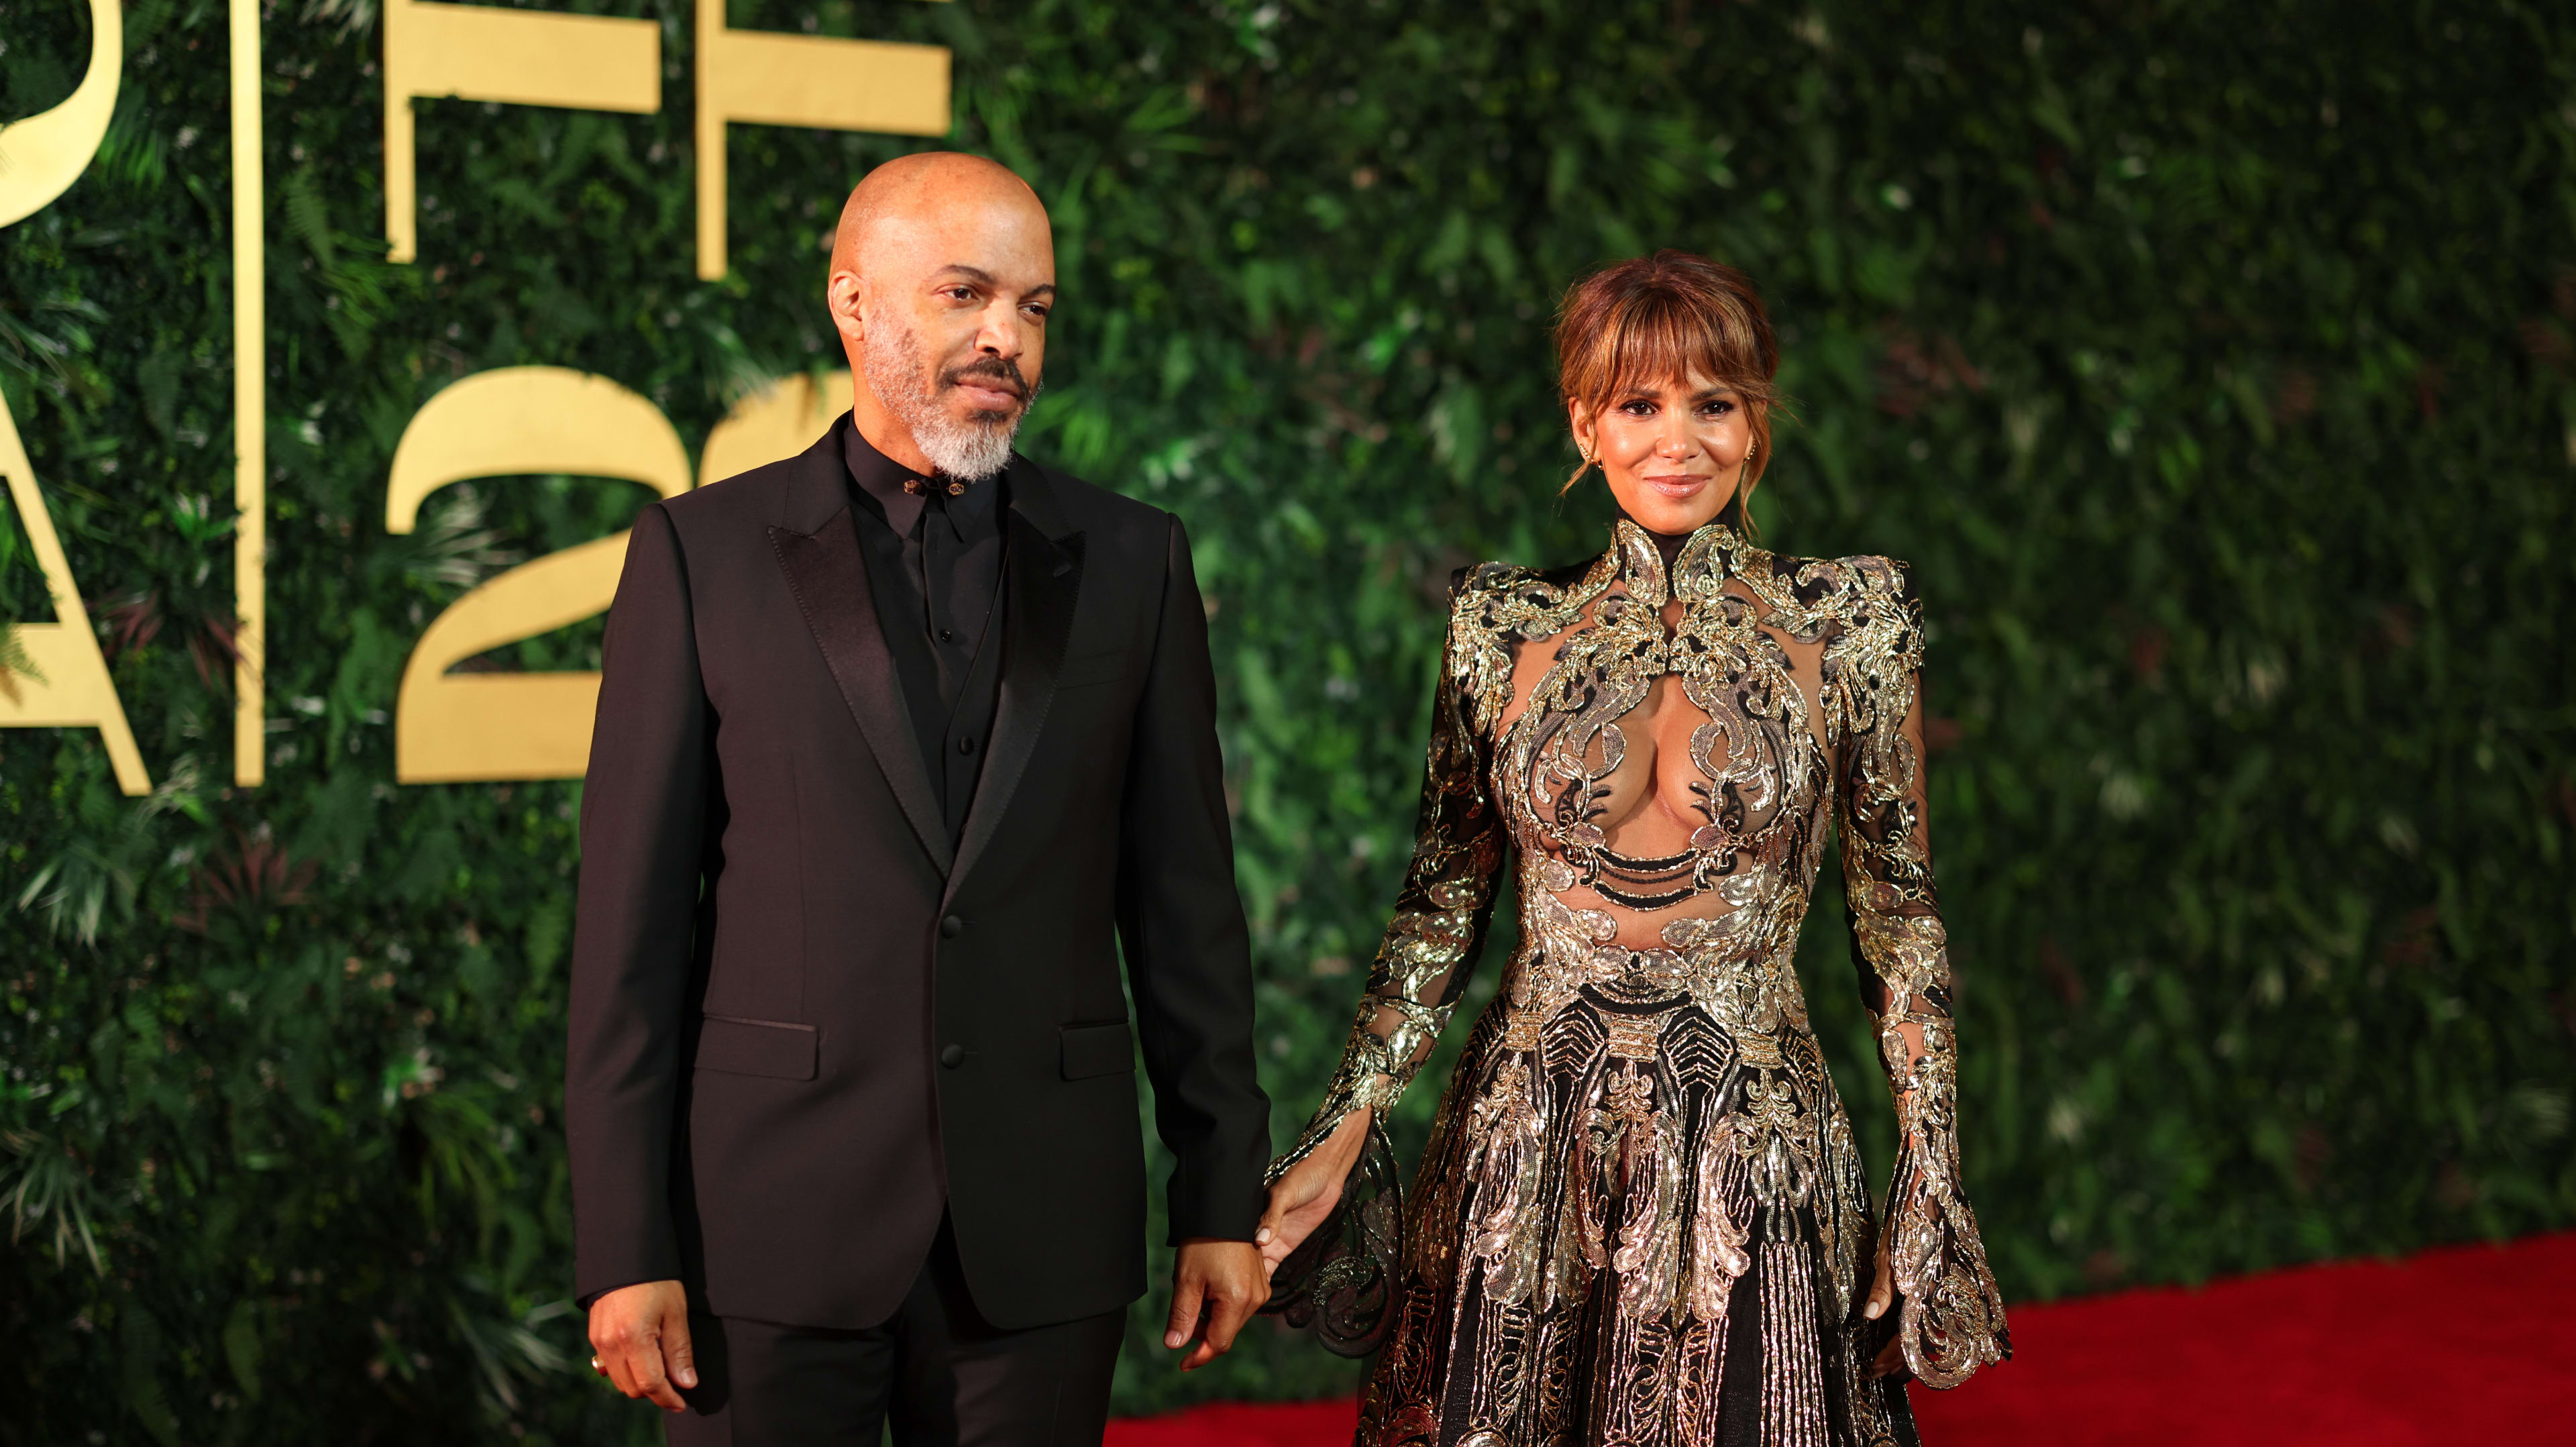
x: 829, y: 577
x: 1046, y: 581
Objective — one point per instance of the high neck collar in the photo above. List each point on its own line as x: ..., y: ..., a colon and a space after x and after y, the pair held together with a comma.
x: 1669, y: 545
x: 1654, y: 565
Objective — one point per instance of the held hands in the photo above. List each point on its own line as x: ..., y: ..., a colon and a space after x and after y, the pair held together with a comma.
x: 1890, y: 1360
x: 641, y: 1333
x: 1310, y: 1190
x: 1882, y: 1295
x: 1216, y: 1286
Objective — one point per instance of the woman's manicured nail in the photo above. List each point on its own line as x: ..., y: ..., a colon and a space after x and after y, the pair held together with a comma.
x: 1261, y: 1237
x: 1872, y: 1311
x: 688, y: 1377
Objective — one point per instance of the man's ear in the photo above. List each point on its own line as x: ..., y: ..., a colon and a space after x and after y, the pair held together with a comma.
x: 844, y: 296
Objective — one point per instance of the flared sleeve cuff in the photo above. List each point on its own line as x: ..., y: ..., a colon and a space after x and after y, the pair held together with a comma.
x: 1341, y: 1279
x: 1951, y: 1317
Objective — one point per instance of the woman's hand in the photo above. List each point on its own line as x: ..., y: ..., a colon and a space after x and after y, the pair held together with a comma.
x: 1882, y: 1295
x: 1307, y: 1194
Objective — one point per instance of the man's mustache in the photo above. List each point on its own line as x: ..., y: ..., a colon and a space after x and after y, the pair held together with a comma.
x: 996, y: 369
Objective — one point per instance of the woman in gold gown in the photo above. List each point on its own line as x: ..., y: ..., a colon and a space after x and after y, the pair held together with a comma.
x: 1641, y: 1217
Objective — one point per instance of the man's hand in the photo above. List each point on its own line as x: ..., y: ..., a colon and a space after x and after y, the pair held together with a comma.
x: 1216, y: 1286
x: 641, y: 1333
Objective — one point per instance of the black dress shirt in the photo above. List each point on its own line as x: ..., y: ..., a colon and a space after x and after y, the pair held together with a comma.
x: 934, y: 551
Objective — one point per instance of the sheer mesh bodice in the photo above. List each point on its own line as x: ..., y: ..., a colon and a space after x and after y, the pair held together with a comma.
x: 1641, y: 1217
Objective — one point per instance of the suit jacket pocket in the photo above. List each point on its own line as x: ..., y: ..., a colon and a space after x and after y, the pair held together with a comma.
x: 1084, y: 668
x: 1091, y: 1050
x: 773, y: 1048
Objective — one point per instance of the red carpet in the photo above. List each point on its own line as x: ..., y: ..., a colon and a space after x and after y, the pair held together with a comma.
x: 2458, y: 1346
x: 1280, y: 1424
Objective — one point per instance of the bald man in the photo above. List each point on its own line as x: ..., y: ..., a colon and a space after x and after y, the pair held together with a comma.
x: 899, y: 741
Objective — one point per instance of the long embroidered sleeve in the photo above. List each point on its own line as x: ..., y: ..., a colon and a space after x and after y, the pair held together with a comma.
x: 1441, y: 915
x: 1952, y: 1319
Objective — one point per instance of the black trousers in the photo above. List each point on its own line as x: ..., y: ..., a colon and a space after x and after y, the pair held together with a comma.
x: 937, y: 1373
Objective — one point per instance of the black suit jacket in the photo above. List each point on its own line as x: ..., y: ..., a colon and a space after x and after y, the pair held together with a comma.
x: 799, y: 1025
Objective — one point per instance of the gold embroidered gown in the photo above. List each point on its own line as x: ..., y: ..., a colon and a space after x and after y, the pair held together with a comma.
x: 1641, y: 1217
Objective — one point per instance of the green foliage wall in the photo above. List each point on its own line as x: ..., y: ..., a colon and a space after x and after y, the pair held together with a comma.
x: 2211, y: 362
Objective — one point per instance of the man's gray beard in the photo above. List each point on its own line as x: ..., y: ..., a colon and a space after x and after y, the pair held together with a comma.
x: 968, y: 451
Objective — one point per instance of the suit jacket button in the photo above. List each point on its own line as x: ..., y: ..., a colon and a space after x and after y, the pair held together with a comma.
x: 951, y: 927
x: 953, y: 1056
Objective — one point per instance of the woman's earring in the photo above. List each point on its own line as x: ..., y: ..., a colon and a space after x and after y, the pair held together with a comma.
x: 1744, y: 494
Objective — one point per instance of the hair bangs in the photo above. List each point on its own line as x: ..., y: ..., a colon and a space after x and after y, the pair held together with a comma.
x: 1656, y: 338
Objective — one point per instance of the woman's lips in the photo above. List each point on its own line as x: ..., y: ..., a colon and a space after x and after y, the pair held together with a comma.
x: 1676, y: 488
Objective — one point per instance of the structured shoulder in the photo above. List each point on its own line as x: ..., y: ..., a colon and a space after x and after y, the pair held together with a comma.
x: 1109, y: 517
x: 1478, y: 581
x: 1503, y: 596
x: 1888, y: 580
x: 724, y: 526
x: 756, y: 494
x: 1855, y: 592
x: 1495, y: 606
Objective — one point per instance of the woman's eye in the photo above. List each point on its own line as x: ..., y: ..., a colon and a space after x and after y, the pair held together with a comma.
x: 1640, y: 408
x: 1717, y: 409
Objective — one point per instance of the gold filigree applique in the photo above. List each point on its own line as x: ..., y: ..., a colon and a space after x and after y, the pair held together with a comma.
x: 1650, y: 1114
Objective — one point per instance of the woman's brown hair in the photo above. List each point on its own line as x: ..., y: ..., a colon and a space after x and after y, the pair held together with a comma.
x: 1668, y: 317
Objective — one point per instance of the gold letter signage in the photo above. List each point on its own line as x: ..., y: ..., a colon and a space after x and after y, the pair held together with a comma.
x: 66, y: 684
x: 584, y: 62
x: 494, y: 424
x: 454, y: 727
x: 250, y: 409
x: 802, y: 80
x: 516, y: 57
